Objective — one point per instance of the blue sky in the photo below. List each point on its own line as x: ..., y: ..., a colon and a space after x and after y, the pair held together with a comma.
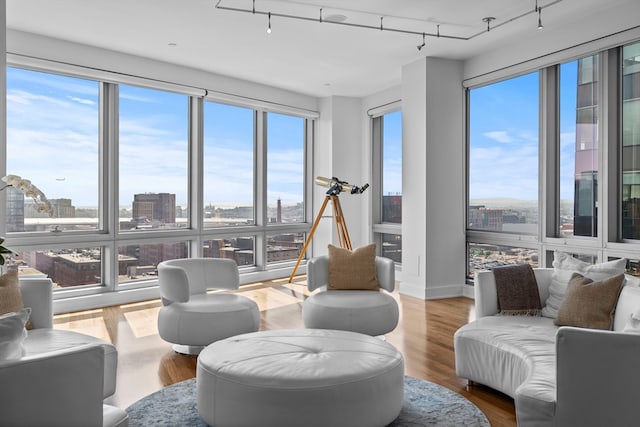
x: 392, y: 154
x: 52, y: 135
x: 504, y: 137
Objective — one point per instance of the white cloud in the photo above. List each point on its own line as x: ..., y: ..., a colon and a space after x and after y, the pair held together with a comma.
x: 81, y: 100
x: 500, y: 136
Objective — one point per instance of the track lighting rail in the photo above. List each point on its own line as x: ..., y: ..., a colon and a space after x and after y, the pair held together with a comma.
x: 537, y: 10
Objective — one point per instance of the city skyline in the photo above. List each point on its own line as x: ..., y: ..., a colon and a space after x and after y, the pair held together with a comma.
x: 52, y: 134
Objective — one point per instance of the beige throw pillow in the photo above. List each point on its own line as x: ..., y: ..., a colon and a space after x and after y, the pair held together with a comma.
x: 353, y: 270
x: 589, y: 304
x: 10, y: 294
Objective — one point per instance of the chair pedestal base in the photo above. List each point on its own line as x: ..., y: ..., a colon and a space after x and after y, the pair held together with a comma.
x: 192, y: 350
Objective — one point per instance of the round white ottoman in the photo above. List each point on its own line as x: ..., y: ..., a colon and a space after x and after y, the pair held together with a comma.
x: 300, y: 377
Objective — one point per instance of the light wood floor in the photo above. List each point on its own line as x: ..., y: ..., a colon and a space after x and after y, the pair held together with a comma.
x: 424, y: 336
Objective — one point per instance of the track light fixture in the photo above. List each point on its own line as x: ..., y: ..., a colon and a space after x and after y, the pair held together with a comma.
x: 420, y: 46
x: 489, y: 20
x: 539, y: 10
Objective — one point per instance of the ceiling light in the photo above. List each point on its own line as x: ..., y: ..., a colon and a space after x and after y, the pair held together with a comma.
x: 269, y: 27
x: 488, y: 20
x: 420, y: 46
x: 340, y: 19
x: 539, y: 10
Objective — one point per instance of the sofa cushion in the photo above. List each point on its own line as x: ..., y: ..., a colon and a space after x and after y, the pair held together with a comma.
x: 589, y: 304
x: 353, y: 270
x: 13, y: 333
x: 564, y: 265
x: 514, y: 355
x: 633, y: 323
x: 628, y: 305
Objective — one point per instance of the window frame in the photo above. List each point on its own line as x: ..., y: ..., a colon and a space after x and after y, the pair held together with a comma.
x: 609, y: 242
x: 109, y: 237
x: 379, y: 227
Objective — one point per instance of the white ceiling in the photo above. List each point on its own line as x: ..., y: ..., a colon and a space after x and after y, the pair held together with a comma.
x: 310, y: 57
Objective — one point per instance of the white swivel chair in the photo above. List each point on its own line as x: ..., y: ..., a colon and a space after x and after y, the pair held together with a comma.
x: 63, y: 377
x: 367, y: 312
x: 191, y: 318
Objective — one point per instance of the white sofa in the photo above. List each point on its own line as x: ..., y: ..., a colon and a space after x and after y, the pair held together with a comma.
x: 563, y: 376
x: 63, y: 376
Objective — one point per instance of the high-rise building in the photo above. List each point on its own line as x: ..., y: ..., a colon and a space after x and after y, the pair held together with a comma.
x: 585, y: 211
x: 15, y: 209
x: 392, y: 209
x: 154, y: 208
x: 631, y: 141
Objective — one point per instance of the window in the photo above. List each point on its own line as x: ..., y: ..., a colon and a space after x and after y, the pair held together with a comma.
x: 139, y: 262
x: 387, y: 168
x: 579, y: 147
x: 586, y: 170
x: 154, y: 159
x: 52, y: 140
x: 67, y: 268
x: 183, y: 176
x: 285, y: 168
x: 241, y: 249
x: 228, y: 165
x: 392, y: 168
x: 503, y: 156
x: 485, y: 256
x: 631, y: 141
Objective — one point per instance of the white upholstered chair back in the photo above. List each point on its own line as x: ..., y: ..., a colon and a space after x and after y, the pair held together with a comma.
x: 180, y: 278
x: 318, y: 272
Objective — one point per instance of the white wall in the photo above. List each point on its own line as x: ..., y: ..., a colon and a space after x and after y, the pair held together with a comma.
x: 557, y: 43
x: 433, y: 168
x: 338, y: 152
x: 32, y: 45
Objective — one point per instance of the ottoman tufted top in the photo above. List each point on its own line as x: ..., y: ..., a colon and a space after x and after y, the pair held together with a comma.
x: 299, y: 358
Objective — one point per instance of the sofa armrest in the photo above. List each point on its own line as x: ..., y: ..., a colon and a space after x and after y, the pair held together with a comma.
x: 37, y: 293
x: 597, y: 377
x: 58, y: 388
x: 485, y: 293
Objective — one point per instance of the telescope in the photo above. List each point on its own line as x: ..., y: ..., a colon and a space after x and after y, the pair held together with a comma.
x: 336, y: 186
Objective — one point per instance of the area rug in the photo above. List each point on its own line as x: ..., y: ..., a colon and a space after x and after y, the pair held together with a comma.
x: 425, y: 404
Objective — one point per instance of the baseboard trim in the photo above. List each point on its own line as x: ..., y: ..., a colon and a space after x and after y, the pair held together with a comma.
x: 433, y: 292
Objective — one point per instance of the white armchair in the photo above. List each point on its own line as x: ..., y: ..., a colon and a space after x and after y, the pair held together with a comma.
x: 367, y: 312
x: 192, y: 318
x: 63, y: 377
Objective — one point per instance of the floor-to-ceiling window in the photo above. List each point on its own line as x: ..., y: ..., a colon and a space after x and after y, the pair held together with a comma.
x: 582, y: 197
x: 134, y: 174
x: 387, y: 188
x: 229, y: 176
x: 503, y: 170
x: 285, y: 153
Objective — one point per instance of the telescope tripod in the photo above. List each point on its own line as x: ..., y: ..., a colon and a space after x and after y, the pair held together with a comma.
x: 343, y: 233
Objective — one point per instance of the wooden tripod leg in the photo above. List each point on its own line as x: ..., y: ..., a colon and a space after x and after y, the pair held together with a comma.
x: 341, y: 225
x: 309, y: 237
